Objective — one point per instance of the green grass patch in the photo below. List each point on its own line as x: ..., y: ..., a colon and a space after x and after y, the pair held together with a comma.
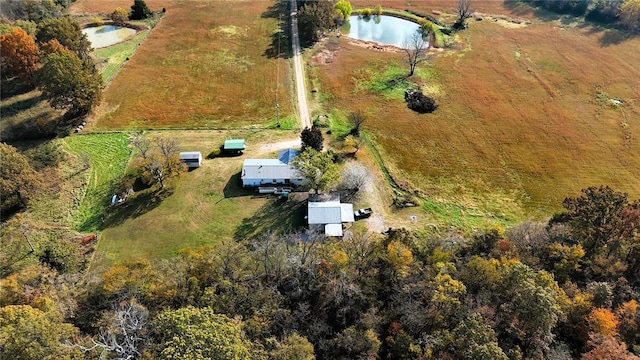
x: 391, y: 81
x: 107, y: 156
x: 115, y: 56
x: 461, y: 217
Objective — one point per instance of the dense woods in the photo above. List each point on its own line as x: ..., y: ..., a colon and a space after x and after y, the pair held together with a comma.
x: 561, y: 290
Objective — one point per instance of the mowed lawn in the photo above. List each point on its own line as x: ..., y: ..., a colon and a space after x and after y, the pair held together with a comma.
x: 206, y: 64
x: 524, y: 114
x: 205, y: 206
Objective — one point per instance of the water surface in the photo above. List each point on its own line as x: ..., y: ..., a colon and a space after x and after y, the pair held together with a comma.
x: 107, y: 35
x: 386, y: 30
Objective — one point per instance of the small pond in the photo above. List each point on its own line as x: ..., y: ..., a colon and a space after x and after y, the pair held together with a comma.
x: 106, y: 35
x: 386, y: 30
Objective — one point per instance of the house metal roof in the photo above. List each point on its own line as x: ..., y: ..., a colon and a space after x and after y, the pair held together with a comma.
x: 287, y: 155
x: 268, y: 169
x: 190, y: 155
x: 234, y: 144
x: 329, y: 212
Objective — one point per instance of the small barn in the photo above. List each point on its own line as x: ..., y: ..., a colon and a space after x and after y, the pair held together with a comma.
x: 233, y: 146
x: 193, y: 159
x: 259, y: 172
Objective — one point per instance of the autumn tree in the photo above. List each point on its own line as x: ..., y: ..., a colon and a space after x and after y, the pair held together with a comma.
x: 19, y: 182
x: 317, y: 167
x: 607, y: 348
x: 28, y: 333
x: 355, y: 177
x: 119, y: 15
x: 415, y: 47
x: 630, y: 14
x: 476, y: 340
x: 158, y: 159
x: 139, y: 10
x: 603, y: 321
x: 70, y: 83
x: 68, y: 33
x: 20, y: 53
x: 193, y: 334
x: 293, y: 347
x: 312, y: 138
x: 602, y: 220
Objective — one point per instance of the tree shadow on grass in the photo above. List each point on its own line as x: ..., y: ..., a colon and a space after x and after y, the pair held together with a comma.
x: 615, y: 37
x: 134, y: 207
x: 280, y: 216
x: 280, y: 46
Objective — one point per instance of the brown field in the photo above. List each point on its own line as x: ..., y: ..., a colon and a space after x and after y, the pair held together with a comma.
x: 524, y: 112
x: 206, y: 64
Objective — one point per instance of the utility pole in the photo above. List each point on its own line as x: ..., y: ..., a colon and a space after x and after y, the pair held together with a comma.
x: 278, y: 71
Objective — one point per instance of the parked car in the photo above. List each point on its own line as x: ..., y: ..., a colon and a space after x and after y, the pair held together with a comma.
x: 362, y: 213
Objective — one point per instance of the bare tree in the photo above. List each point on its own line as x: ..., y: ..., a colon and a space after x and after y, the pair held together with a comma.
x: 125, y: 333
x: 355, y: 176
x: 464, y: 12
x: 356, y: 119
x: 416, y: 49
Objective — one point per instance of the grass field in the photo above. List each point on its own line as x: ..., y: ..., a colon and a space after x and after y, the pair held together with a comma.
x: 206, y: 64
x: 524, y: 120
x: 113, y: 57
x: 106, y: 156
x: 206, y: 205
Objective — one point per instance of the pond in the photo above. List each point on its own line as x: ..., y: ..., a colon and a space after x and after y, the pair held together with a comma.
x: 106, y: 35
x: 386, y: 30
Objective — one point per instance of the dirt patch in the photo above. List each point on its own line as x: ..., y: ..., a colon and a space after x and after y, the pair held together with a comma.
x: 502, y: 20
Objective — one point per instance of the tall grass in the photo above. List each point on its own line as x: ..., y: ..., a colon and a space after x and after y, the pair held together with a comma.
x: 107, y: 156
x: 115, y: 56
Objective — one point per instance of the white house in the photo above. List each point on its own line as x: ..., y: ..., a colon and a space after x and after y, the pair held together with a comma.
x: 193, y: 159
x: 258, y: 172
x: 328, y: 216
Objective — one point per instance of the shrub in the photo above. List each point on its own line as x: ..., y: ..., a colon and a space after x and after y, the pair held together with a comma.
x: 98, y: 21
x: 48, y: 154
x: 419, y: 102
x: 214, y: 153
x: 119, y: 15
x: 366, y: 12
x: 377, y: 10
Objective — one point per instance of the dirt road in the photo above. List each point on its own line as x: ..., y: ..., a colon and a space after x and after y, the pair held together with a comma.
x: 297, y: 61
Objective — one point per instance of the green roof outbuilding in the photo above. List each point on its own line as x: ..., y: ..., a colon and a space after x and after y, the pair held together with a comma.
x: 234, y: 144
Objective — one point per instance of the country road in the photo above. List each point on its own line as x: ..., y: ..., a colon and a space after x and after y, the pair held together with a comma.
x: 297, y: 61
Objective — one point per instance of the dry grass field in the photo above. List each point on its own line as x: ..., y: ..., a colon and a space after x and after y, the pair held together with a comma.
x: 206, y: 64
x: 525, y: 116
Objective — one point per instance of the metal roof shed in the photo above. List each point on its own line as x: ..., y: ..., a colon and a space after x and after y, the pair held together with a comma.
x: 193, y: 159
x: 234, y: 145
x: 329, y: 212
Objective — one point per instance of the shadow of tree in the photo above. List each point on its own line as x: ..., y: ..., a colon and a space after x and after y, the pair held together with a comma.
x: 134, y: 206
x: 612, y: 33
x: 280, y: 46
x: 280, y: 216
x: 615, y: 37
